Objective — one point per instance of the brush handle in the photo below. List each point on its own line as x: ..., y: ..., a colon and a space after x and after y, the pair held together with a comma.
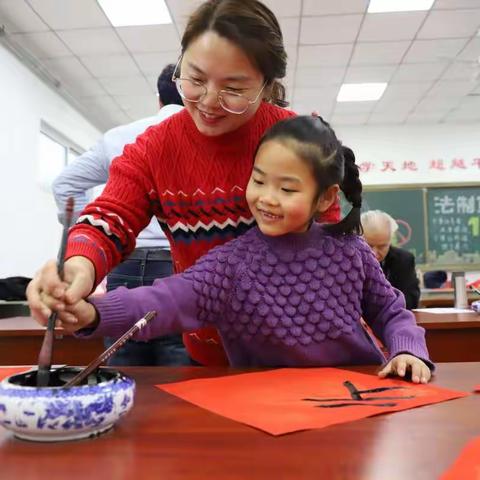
x: 45, y: 356
x: 46, y: 351
x: 111, y: 350
x: 476, y: 290
x: 63, y: 243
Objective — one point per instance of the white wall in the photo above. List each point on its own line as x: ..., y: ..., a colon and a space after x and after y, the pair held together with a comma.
x: 29, y: 230
x: 451, y: 143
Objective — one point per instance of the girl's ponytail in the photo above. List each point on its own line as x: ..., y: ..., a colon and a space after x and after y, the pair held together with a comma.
x: 351, y: 187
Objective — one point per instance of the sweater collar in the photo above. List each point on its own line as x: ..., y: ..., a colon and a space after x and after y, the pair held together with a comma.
x: 294, y: 241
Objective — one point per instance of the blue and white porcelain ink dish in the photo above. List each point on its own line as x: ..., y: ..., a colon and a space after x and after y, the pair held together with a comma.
x: 55, y: 413
x: 475, y: 306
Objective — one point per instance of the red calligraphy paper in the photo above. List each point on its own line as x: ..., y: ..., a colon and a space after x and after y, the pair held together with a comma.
x: 7, y: 371
x: 290, y: 399
x: 467, y: 465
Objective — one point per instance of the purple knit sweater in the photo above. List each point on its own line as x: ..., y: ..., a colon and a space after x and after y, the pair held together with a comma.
x: 294, y: 300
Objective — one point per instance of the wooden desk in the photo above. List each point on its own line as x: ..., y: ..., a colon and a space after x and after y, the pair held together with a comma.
x: 452, y: 337
x: 21, y: 339
x: 442, y: 297
x: 166, y: 438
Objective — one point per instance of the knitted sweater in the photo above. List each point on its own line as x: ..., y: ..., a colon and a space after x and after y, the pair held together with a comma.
x: 194, y: 185
x: 294, y: 300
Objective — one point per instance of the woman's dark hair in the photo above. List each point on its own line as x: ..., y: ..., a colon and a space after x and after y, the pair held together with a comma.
x: 313, y: 140
x: 250, y: 25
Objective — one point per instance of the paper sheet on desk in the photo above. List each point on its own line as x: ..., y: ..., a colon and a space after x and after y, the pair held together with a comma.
x: 467, y: 465
x: 291, y: 399
x: 443, y: 310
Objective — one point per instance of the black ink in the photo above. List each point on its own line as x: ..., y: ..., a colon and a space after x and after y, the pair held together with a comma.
x: 356, y: 396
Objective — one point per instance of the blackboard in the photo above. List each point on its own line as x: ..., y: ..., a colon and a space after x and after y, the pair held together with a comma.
x: 453, y: 225
x: 440, y: 226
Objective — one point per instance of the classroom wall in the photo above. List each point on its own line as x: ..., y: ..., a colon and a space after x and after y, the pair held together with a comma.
x: 29, y: 232
x: 405, y: 154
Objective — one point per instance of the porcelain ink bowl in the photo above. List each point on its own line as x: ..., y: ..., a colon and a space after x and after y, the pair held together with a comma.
x: 56, y: 413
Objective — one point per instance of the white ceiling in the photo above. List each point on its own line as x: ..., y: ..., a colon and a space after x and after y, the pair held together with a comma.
x: 430, y: 59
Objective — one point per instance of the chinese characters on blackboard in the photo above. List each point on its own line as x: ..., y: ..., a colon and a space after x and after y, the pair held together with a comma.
x: 454, y: 225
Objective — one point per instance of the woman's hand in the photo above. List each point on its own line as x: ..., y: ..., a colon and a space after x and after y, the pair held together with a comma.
x: 401, y: 364
x: 80, y: 315
x: 74, y: 317
x: 47, y: 292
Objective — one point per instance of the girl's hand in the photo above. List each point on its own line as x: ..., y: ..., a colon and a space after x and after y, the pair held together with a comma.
x: 404, y: 362
x: 47, y: 293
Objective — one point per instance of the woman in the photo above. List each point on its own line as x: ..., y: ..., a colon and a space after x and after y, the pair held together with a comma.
x: 190, y: 171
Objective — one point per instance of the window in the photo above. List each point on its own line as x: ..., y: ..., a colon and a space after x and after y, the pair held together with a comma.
x: 55, y: 151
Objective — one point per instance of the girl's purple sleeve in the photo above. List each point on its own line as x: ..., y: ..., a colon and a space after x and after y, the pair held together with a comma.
x: 183, y: 302
x: 383, y: 308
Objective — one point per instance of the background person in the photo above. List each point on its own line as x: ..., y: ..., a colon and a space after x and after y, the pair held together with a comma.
x: 398, y: 265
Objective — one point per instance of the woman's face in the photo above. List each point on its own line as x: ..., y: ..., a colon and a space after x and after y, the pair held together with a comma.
x: 220, y: 65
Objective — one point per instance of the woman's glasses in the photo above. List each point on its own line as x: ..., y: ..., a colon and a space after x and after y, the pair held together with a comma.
x: 194, y: 91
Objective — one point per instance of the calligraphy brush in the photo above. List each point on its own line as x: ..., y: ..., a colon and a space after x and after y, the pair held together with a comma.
x: 111, y: 350
x: 476, y: 290
x: 45, y: 356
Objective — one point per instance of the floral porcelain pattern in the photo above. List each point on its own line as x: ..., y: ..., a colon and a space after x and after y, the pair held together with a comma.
x: 56, y: 413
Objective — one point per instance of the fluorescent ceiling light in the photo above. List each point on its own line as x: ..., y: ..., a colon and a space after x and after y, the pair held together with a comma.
x: 376, y: 6
x: 360, y: 92
x: 124, y: 13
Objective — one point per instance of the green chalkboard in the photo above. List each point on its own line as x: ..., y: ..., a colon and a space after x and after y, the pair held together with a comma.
x: 453, y: 225
x: 440, y: 226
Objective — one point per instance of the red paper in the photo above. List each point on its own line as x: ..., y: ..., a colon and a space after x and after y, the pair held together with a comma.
x: 7, y: 371
x: 477, y: 388
x: 467, y: 465
x: 286, y: 400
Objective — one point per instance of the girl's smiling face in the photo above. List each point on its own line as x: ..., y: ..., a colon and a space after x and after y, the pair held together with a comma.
x: 282, y: 191
x: 219, y: 64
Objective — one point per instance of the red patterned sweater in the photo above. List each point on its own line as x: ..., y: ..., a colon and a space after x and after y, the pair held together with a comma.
x: 194, y: 185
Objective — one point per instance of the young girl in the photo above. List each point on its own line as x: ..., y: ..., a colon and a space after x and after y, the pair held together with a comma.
x: 190, y: 171
x: 289, y: 292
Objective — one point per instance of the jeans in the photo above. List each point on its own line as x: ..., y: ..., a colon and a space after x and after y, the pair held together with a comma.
x: 141, y: 268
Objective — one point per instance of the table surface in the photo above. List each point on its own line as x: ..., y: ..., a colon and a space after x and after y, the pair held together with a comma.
x: 21, y: 339
x: 18, y: 326
x: 442, y: 297
x: 447, y: 320
x: 23, y: 326
x: 164, y: 437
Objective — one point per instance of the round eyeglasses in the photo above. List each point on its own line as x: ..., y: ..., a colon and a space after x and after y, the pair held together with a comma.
x: 194, y: 91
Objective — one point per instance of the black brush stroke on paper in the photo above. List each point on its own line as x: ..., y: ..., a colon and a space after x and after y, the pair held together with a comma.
x: 356, y: 396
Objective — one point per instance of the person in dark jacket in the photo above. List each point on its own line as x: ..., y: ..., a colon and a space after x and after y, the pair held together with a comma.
x: 398, y: 265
